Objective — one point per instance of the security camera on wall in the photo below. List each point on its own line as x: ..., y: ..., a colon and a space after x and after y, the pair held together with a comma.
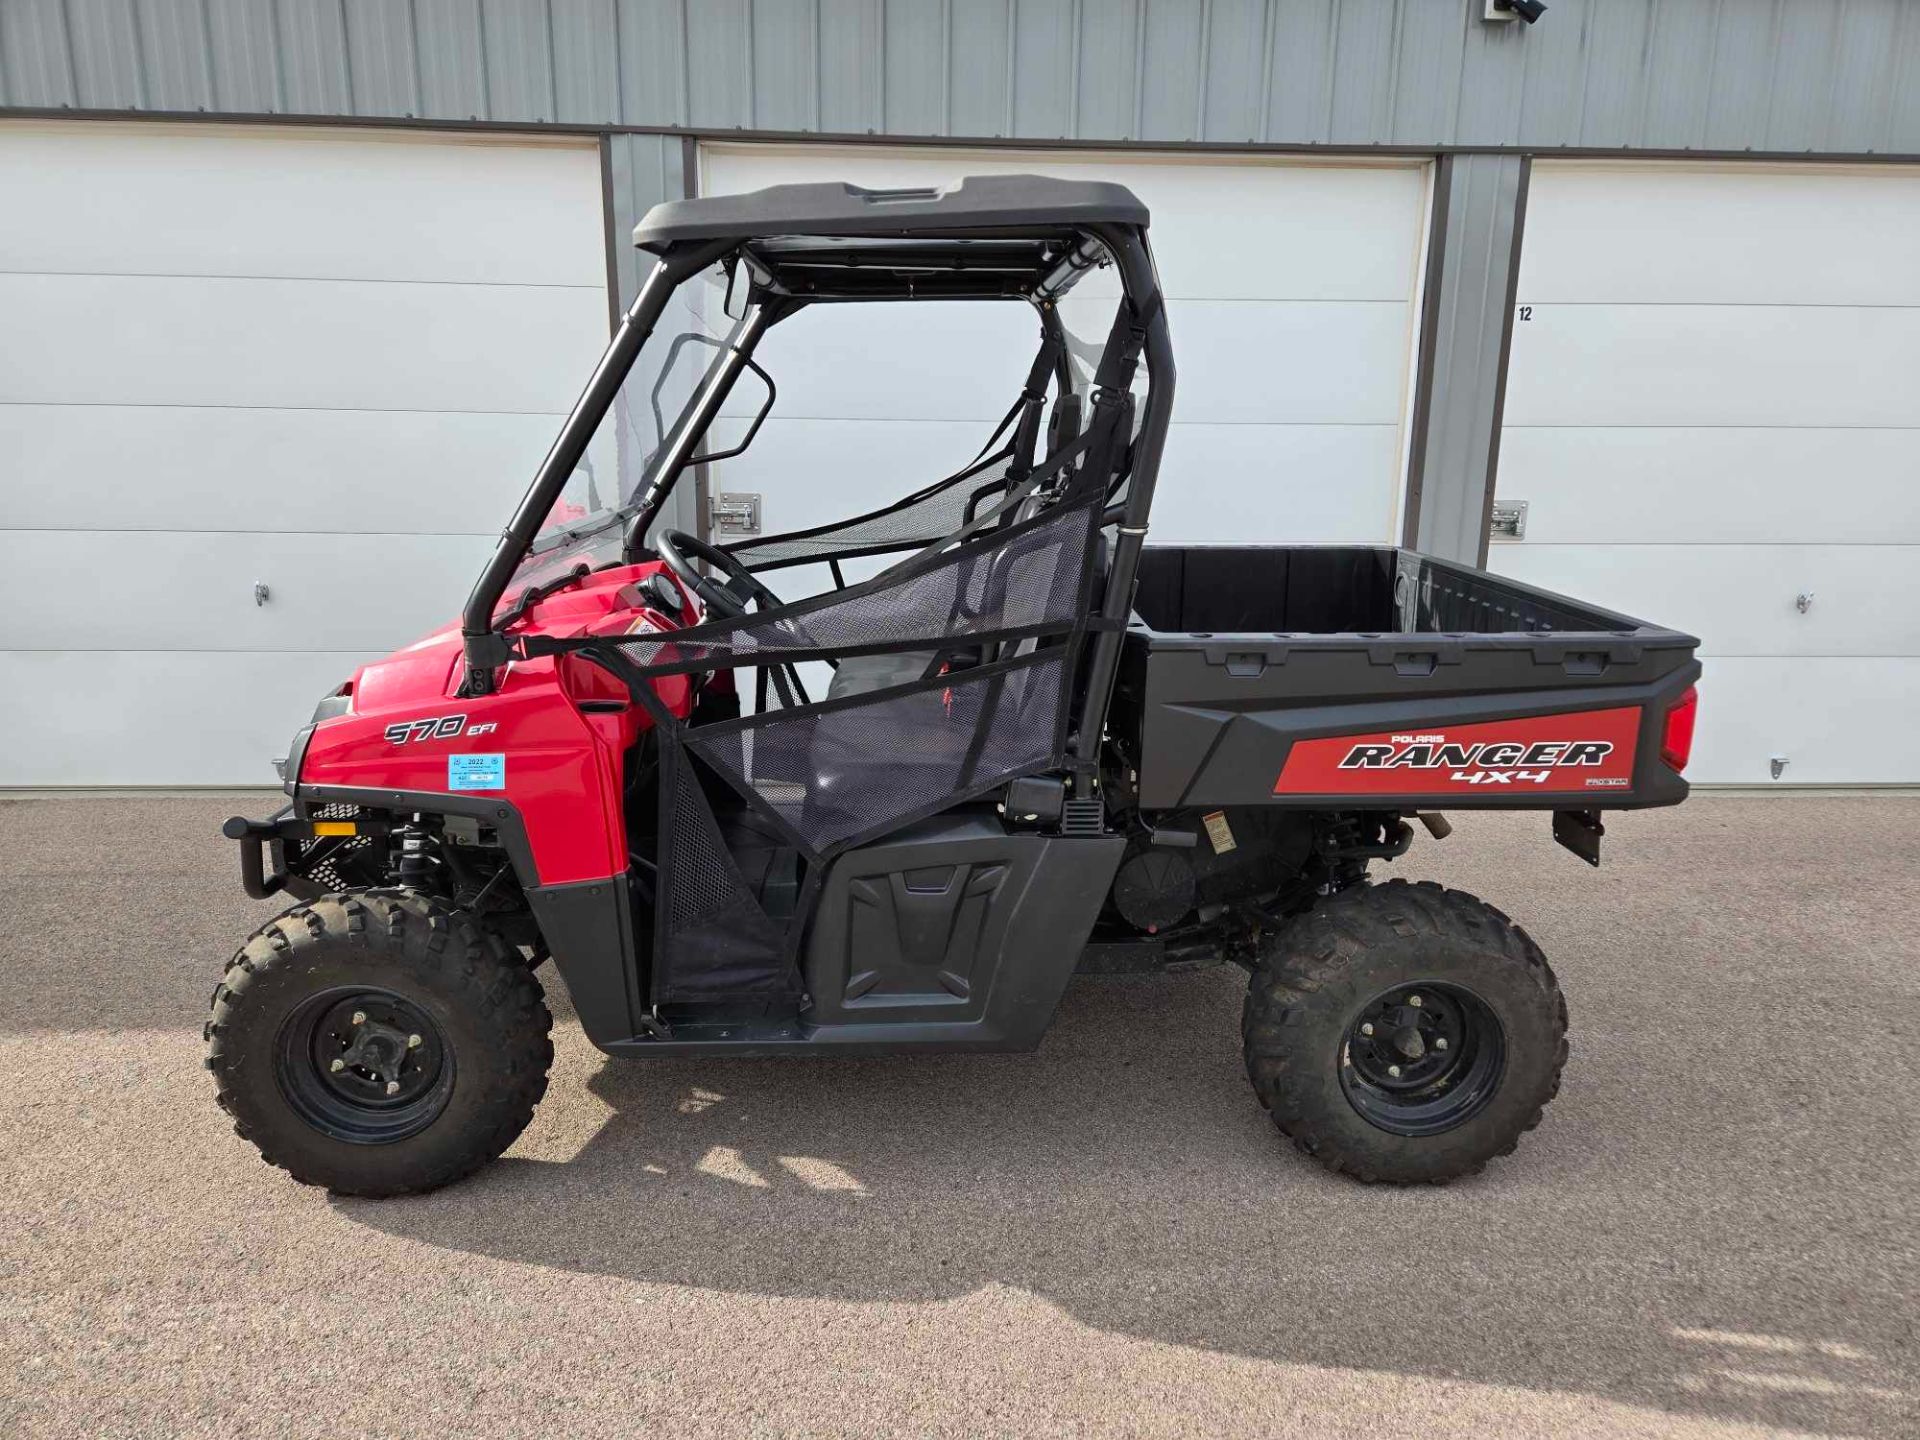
x: 1527, y: 10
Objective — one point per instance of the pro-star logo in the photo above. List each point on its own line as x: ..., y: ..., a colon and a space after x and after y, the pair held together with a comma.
x: 1498, y: 762
x: 1582, y: 751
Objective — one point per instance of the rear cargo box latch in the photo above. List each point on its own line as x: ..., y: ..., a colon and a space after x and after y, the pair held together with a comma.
x: 1246, y: 664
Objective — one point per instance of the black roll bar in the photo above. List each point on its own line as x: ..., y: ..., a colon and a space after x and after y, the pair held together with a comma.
x: 1128, y: 246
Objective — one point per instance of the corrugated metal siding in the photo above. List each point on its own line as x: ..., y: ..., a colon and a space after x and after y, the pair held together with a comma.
x: 1476, y: 267
x: 1766, y: 75
x: 646, y: 169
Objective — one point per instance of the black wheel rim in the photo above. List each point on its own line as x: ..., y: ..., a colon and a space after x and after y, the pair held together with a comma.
x: 364, y: 1065
x: 1423, y: 1058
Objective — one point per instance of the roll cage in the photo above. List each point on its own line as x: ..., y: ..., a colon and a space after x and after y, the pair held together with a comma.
x: 1002, y: 238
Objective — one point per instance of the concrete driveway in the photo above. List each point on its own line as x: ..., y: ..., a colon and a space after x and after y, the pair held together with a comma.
x: 1713, y: 1233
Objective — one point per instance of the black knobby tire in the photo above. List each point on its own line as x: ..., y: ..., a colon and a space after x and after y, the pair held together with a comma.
x: 480, y: 1023
x: 1365, y: 952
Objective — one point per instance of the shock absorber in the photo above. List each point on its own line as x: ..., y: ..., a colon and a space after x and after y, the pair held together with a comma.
x: 414, y: 868
x: 1348, y: 840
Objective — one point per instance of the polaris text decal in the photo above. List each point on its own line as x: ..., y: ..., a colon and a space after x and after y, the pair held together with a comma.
x: 435, y: 727
x: 1588, y: 750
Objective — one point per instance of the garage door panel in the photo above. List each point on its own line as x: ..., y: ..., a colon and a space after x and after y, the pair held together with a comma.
x: 114, y: 339
x: 208, y: 468
x: 1739, y: 599
x: 1837, y: 721
x: 1701, y: 365
x: 1282, y: 247
x: 1710, y: 411
x: 328, y: 361
x: 895, y: 362
x: 168, y: 200
x: 68, y: 590
x: 1763, y: 234
x: 1290, y: 362
x: 1626, y: 483
x: 144, y: 718
x: 1370, y: 255
x: 1273, y: 485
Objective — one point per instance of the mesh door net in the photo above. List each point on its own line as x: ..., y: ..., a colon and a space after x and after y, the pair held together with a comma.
x: 836, y: 773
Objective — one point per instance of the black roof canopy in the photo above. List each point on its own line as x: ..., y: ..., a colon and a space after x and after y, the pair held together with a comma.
x: 979, y: 202
x: 985, y: 237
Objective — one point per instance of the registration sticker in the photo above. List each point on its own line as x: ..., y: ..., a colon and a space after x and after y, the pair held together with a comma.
x: 476, y: 772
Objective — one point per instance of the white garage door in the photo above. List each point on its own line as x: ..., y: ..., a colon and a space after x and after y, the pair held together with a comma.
x: 1713, y: 410
x: 324, y: 361
x: 1293, y: 298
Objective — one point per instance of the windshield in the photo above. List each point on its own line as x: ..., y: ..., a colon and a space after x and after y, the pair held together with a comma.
x: 588, y: 521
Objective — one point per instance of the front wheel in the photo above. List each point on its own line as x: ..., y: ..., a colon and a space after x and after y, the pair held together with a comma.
x: 378, y: 1043
x: 1404, y: 1033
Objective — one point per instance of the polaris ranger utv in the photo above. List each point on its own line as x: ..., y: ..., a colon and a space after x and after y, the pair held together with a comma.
x: 1041, y: 745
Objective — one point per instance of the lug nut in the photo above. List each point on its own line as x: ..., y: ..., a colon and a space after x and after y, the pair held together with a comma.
x: 393, y: 1087
x: 338, y: 1066
x: 1414, y: 1000
x: 413, y: 1042
x: 359, y: 1017
x: 1394, y: 1070
x: 1440, y: 1043
x: 1367, y: 1029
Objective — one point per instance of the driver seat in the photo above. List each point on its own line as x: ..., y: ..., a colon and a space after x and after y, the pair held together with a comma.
x: 862, y: 674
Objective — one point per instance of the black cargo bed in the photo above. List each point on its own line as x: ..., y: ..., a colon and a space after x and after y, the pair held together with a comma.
x: 1238, y: 654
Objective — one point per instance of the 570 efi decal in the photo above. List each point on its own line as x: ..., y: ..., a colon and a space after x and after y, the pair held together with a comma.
x: 1588, y: 750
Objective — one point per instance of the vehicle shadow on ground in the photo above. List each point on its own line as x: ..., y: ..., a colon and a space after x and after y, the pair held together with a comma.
x: 1125, y: 1173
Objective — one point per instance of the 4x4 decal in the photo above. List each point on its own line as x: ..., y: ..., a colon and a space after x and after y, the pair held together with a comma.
x: 435, y: 727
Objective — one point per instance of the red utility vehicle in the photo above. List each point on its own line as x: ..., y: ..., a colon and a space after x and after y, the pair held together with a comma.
x: 1040, y: 744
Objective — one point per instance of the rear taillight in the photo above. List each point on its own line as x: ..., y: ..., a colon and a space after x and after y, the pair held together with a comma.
x: 1676, y: 741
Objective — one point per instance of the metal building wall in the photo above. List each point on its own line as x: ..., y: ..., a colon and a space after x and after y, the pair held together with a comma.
x: 1468, y: 327
x: 1789, y: 76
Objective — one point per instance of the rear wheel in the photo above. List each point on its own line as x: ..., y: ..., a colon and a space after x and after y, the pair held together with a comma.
x: 378, y: 1043
x: 1404, y: 1033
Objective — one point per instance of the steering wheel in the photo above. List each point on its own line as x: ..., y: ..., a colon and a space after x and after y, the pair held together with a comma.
x: 722, y: 601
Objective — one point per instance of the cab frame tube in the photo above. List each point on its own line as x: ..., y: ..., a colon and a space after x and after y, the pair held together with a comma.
x: 486, y: 649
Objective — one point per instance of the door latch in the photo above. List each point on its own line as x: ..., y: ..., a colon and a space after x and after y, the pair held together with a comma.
x: 1508, y: 522
x: 733, y: 513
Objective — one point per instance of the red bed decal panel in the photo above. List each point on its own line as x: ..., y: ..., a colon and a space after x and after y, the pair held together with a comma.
x: 1586, y: 752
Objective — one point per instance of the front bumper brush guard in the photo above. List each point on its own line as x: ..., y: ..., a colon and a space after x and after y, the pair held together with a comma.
x: 256, y: 835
